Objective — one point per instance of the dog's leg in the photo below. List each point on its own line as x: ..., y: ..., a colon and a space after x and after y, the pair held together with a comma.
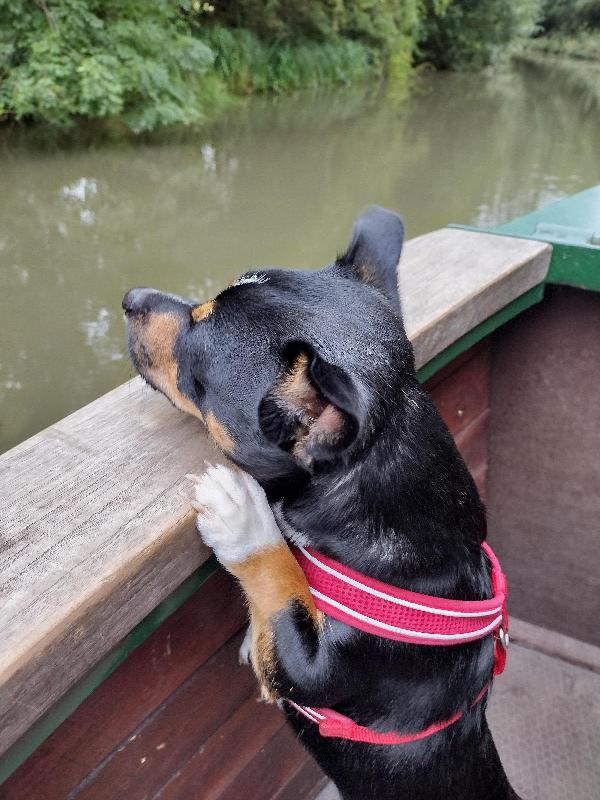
x: 235, y: 519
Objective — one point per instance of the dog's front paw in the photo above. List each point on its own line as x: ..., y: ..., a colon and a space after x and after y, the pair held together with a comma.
x: 234, y: 516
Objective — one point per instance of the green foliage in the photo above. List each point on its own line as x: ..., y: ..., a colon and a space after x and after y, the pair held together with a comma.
x: 281, y: 20
x: 471, y: 33
x: 245, y: 64
x: 571, y: 15
x: 100, y: 58
x: 578, y: 75
x: 382, y: 23
x: 376, y: 23
x: 583, y: 46
x: 571, y: 32
x: 169, y: 62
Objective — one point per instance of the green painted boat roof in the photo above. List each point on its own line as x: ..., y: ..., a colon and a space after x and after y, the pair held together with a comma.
x: 574, y: 220
x: 572, y: 227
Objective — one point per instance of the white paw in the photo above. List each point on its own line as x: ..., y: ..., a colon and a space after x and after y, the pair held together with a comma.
x: 234, y: 516
x: 246, y: 647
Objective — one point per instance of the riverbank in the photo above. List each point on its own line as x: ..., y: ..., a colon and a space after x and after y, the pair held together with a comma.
x: 575, y: 59
x: 140, y: 66
x: 189, y: 86
x: 583, y: 46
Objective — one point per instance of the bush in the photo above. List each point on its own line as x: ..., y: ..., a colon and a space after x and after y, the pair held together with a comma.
x: 570, y: 15
x: 100, y: 58
x: 470, y: 33
x: 377, y: 23
x: 583, y: 46
x: 245, y: 64
x: 168, y: 62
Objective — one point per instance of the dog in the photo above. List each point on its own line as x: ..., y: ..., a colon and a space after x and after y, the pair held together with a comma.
x: 306, y: 381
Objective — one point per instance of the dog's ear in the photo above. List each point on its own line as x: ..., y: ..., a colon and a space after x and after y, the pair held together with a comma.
x: 374, y: 252
x: 313, y: 410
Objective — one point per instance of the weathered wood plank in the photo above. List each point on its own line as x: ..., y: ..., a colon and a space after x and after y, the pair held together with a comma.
x: 95, y: 531
x: 95, y: 525
x: 451, y: 280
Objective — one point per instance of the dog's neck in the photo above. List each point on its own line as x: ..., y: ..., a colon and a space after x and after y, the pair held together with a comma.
x: 405, y: 511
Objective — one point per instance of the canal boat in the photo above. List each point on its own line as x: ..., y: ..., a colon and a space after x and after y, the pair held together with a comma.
x: 119, y: 673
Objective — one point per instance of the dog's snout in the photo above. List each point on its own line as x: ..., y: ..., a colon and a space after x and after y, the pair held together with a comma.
x: 136, y: 301
x: 144, y: 300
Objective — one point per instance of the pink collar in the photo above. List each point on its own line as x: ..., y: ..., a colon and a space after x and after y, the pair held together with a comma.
x: 392, y: 613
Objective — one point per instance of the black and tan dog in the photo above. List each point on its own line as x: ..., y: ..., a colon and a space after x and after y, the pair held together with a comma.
x: 307, y: 381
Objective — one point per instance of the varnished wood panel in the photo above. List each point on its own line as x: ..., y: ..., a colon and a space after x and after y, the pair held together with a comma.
x: 305, y: 783
x: 472, y: 442
x: 179, y: 719
x: 461, y: 394
x: 167, y: 739
x: 215, y: 766
x: 273, y: 766
x: 183, y: 643
x: 451, y: 280
x: 544, y: 462
x: 464, y: 394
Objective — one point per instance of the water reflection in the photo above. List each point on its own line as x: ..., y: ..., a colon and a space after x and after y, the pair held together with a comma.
x: 276, y: 182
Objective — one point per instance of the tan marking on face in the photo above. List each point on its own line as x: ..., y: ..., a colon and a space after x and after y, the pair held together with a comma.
x: 271, y: 579
x: 219, y: 433
x: 153, y: 338
x: 203, y: 311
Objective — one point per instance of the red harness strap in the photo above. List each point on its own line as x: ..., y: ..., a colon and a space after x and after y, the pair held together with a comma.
x: 393, y: 613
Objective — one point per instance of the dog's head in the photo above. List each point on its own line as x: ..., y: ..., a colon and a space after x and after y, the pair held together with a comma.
x: 292, y: 371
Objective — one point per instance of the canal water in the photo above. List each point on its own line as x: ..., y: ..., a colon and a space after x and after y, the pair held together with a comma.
x: 276, y: 182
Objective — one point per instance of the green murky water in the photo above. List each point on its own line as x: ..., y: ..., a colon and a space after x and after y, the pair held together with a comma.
x: 276, y: 182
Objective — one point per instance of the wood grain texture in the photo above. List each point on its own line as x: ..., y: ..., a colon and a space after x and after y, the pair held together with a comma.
x: 273, y: 766
x: 461, y: 394
x: 95, y: 525
x: 178, y: 720
x: 96, y: 529
x: 142, y: 684
x: 158, y: 747
x: 451, y: 280
x: 465, y: 393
